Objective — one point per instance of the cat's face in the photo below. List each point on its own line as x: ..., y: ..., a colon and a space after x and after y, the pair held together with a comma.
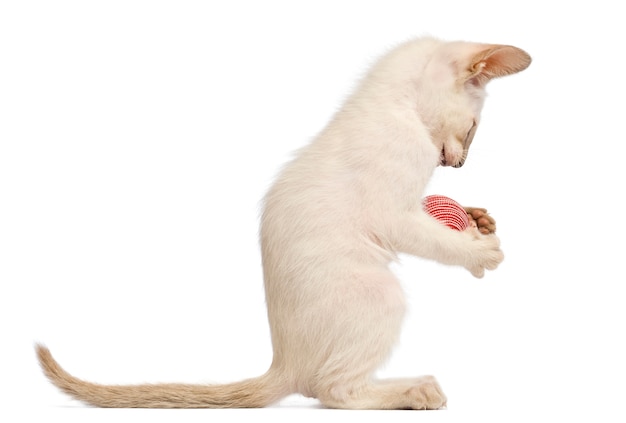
x: 453, y: 126
x: 452, y: 92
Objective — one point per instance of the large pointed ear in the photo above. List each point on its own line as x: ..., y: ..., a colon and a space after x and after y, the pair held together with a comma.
x: 494, y: 61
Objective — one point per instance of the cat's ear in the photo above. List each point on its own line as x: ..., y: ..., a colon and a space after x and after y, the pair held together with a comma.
x: 494, y: 61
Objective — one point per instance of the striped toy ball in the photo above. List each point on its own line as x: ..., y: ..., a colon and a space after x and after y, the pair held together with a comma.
x: 447, y: 211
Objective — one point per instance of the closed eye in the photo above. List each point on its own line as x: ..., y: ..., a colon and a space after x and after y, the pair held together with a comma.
x: 470, y: 136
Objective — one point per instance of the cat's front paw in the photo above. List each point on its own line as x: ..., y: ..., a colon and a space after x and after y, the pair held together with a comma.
x: 485, y: 254
x: 480, y: 219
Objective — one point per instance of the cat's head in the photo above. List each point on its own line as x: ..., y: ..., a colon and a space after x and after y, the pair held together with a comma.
x: 452, y: 91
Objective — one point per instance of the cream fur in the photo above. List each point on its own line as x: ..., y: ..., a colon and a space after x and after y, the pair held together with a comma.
x: 334, y: 220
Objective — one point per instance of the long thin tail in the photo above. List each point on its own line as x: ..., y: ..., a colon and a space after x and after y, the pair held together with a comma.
x: 251, y: 393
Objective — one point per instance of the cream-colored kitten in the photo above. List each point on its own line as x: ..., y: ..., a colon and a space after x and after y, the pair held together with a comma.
x: 335, y: 218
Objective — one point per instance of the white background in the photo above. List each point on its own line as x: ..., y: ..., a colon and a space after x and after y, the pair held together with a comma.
x: 138, y: 138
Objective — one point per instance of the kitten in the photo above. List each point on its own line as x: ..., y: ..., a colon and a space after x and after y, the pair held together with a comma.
x: 334, y: 220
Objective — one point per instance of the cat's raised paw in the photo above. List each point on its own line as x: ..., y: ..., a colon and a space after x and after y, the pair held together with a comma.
x: 480, y: 219
x: 483, y: 254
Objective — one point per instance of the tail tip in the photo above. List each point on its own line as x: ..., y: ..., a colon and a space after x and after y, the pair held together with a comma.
x: 42, y: 351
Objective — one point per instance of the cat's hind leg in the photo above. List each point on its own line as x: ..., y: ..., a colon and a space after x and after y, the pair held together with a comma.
x: 422, y: 393
x: 359, y: 340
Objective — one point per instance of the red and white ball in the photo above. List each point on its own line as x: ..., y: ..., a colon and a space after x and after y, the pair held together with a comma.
x: 447, y: 211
